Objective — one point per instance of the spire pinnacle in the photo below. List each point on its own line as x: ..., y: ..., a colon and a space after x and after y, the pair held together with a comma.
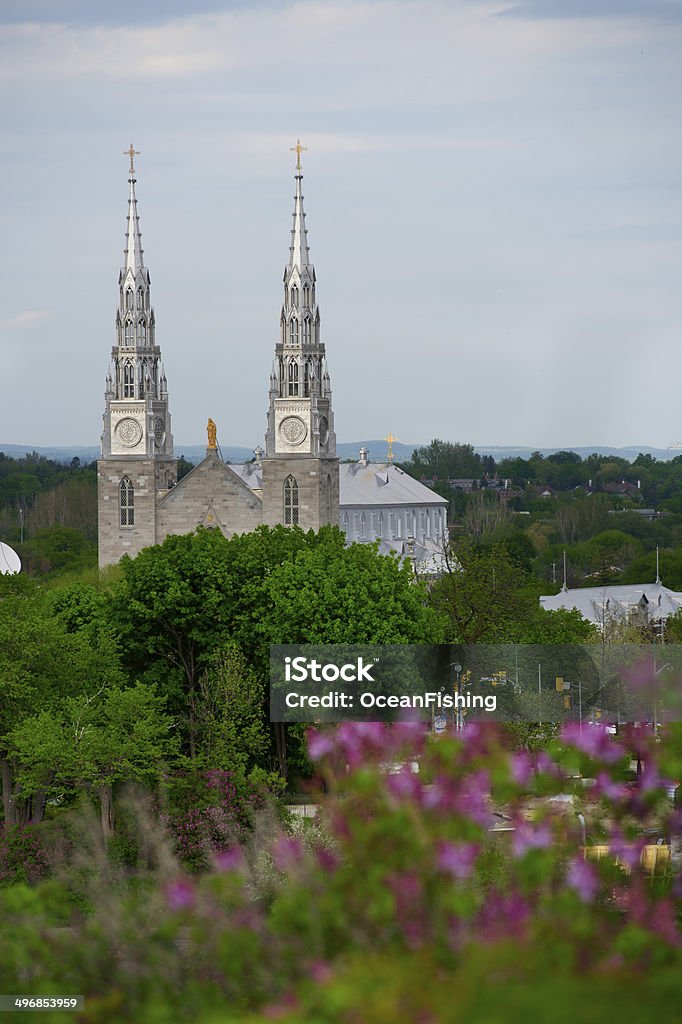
x: 297, y: 149
x: 132, y: 152
x: 133, y: 250
x: 298, y: 252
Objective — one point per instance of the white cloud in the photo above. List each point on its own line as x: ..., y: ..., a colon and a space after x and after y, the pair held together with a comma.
x: 25, y: 320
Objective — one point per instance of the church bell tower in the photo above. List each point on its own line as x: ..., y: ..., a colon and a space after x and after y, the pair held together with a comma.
x: 137, y: 464
x: 300, y: 467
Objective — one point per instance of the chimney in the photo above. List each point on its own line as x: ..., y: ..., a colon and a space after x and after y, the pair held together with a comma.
x: 364, y: 456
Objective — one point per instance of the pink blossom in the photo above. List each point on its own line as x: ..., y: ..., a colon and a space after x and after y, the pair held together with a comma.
x: 472, y: 803
x: 319, y: 744
x: 180, y: 894
x: 593, y: 740
x: 230, y: 860
x: 457, y: 859
x: 320, y: 971
x: 582, y: 877
x: 627, y: 851
x: 287, y: 852
x: 520, y: 768
x: 528, y: 837
x: 404, y: 785
x: 327, y: 859
x: 606, y: 787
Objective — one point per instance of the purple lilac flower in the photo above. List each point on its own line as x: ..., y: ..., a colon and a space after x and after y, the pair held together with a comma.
x: 582, y: 877
x: 320, y: 744
x: 593, y: 740
x: 404, y: 785
x: 606, y: 787
x: 520, y: 767
x: 457, y: 859
x: 528, y: 837
x: 230, y: 860
x: 180, y: 894
x: 327, y: 859
x: 628, y: 851
x: 287, y: 852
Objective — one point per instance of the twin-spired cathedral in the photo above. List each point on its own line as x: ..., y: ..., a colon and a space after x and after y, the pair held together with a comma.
x: 295, y: 480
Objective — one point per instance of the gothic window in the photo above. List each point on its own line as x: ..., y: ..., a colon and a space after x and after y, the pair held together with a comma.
x: 126, y: 498
x: 128, y: 380
x: 140, y: 299
x: 381, y: 524
x: 293, y: 379
x: 290, y: 501
x: 344, y: 522
x: 129, y: 298
x: 282, y: 382
x: 306, y: 380
x: 293, y: 331
x: 306, y: 331
x: 129, y: 334
x: 294, y: 296
x: 306, y: 295
x: 141, y: 333
x: 363, y: 526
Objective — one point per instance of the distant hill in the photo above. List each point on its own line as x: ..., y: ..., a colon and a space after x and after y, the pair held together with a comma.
x: 350, y: 450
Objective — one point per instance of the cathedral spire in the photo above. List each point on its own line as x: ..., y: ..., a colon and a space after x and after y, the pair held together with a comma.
x: 133, y: 249
x: 299, y: 384
x: 298, y: 250
x: 300, y: 471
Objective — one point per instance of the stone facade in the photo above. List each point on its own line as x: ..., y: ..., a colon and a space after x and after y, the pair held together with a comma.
x: 317, y: 491
x: 211, y: 495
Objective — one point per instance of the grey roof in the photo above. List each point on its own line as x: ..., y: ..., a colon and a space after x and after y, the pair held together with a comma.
x: 382, y: 483
x: 599, y: 603
x: 377, y: 483
x: 249, y: 473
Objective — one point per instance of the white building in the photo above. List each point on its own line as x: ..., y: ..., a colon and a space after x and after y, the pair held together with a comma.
x: 638, y: 604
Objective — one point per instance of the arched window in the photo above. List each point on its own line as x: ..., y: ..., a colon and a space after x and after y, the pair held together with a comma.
x: 344, y: 522
x: 141, y: 333
x: 129, y: 339
x: 126, y: 501
x: 140, y: 299
x: 363, y: 526
x: 293, y: 379
x: 328, y: 499
x: 293, y: 331
x: 128, y: 380
x: 306, y: 331
x: 381, y: 524
x: 306, y: 295
x: 294, y: 296
x: 306, y: 380
x: 290, y: 501
x: 129, y: 298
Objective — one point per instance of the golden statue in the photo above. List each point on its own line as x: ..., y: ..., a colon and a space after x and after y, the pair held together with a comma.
x: 212, y: 432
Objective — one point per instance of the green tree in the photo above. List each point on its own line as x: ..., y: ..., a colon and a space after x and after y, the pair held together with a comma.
x: 93, y: 742
x: 41, y: 664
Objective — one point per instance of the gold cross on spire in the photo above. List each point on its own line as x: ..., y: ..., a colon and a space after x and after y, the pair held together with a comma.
x: 389, y: 440
x: 131, y: 153
x: 298, y: 149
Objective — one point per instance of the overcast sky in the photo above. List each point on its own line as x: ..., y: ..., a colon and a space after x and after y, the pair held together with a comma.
x: 493, y: 195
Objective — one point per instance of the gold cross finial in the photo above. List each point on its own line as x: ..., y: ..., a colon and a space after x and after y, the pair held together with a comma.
x: 389, y: 440
x: 131, y: 153
x: 298, y: 149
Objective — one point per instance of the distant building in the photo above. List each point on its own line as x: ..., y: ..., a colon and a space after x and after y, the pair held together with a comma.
x: 637, y: 604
